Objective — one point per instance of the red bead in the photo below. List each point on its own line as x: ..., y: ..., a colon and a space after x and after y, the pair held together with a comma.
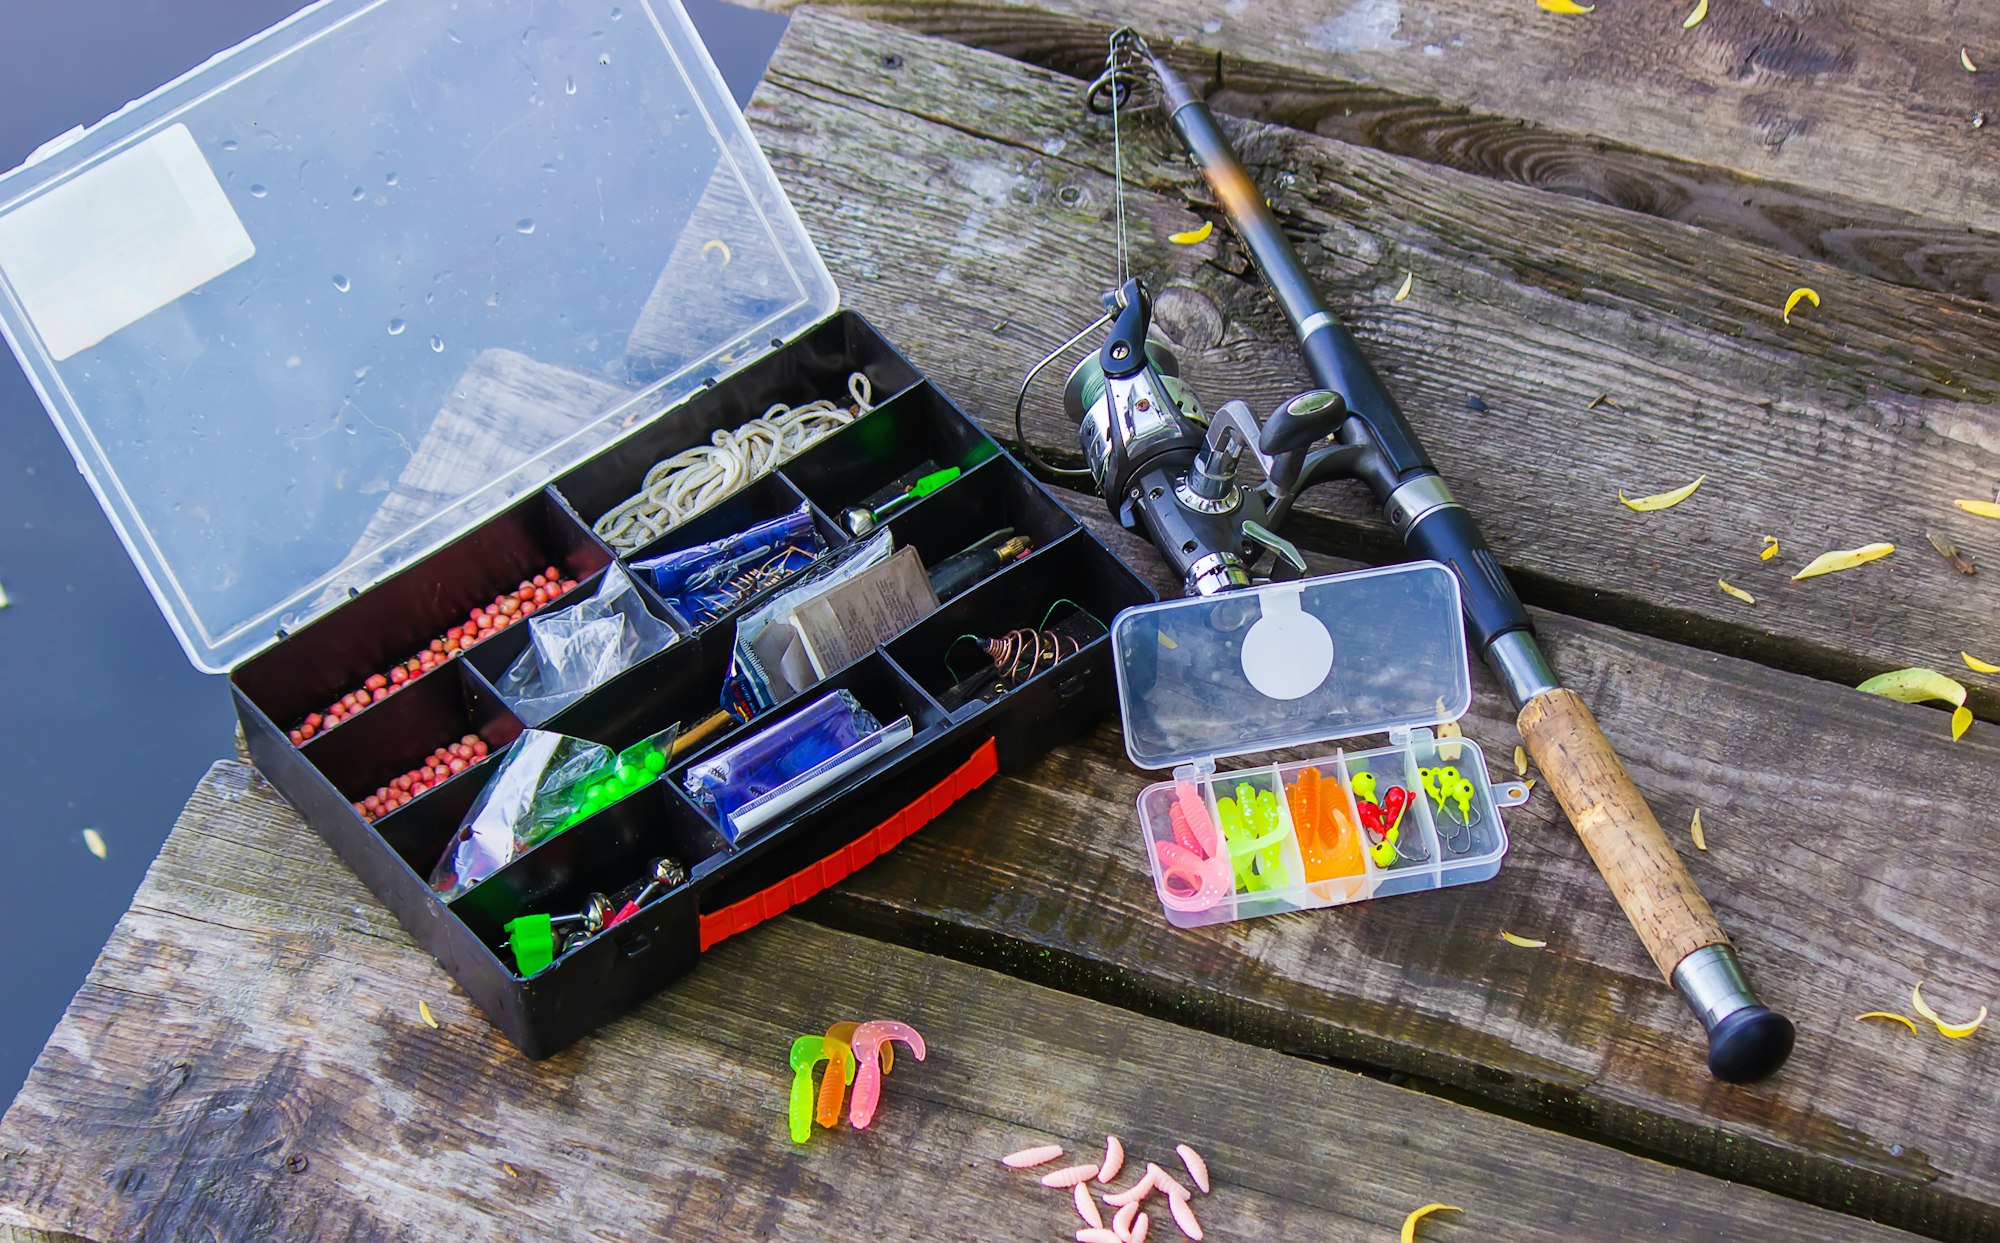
x: 294, y: 736
x: 457, y: 766
x: 552, y: 574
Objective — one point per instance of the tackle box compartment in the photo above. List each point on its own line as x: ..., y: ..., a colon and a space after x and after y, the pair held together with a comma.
x: 340, y: 377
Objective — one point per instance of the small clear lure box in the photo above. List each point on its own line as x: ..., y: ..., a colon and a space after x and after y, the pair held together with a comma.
x: 1294, y: 666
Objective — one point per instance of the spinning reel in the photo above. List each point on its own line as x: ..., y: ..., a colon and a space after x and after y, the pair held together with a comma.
x: 1169, y: 471
x: 1165, y: 467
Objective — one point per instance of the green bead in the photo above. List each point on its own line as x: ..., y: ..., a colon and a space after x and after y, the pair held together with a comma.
x: 656, y: 761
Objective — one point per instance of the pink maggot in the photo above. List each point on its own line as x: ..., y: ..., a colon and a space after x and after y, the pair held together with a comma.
x: 1069, y: 1176
x: 1136, y: 1192
x: 1086, y: 1207
x: 1114, y: 1159
x: 1184, y: 1217
x: 1196, y: 1167
x: 1166, y: 1182
x: 1028, y: 1158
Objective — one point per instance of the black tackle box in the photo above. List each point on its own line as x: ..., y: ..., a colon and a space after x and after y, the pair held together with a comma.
x: 340, y: 375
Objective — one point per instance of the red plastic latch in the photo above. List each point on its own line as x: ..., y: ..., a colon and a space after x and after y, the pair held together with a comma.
x: 857, y: 854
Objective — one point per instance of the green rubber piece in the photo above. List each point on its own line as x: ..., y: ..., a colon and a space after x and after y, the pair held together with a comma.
x: 533, y: 940
x: 935, y: 480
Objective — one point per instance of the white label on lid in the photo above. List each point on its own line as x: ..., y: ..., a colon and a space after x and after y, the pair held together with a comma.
x: 119, y: 241
x: 1288, y: 653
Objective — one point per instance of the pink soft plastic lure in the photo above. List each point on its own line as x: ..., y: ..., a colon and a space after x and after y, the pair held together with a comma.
x: 1194, y: 813
x: 867, y: 1041
x: 1188, y: 881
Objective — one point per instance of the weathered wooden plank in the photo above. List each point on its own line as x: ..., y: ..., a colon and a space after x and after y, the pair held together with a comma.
x: 245, y: 1061
x: 1843, y: 858
x: 1868, y: 238
x: 962, y: 201
x: 1836, y: 129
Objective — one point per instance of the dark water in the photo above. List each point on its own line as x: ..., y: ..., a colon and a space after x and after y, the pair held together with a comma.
x: 105, y: 725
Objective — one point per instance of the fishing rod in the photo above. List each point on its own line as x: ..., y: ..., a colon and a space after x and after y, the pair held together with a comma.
x: 1166, y: 468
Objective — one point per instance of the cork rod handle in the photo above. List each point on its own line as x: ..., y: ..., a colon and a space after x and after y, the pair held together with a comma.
x: 1619, y: 830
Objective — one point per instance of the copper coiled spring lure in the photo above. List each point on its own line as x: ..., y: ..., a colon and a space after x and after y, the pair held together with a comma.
x: 1021, y: 654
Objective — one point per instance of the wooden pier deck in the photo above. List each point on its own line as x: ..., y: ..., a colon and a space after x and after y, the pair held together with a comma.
x: 1601, y: 216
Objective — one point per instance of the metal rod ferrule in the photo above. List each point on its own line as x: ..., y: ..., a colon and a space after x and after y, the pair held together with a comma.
x: 1517, y: 660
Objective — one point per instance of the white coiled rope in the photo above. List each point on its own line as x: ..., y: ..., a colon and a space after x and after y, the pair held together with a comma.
x: 679, y: 487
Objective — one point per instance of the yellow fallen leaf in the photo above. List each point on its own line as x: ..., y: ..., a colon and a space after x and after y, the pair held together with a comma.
x: 1904, y: 1019
x: 1801, y: 293
x: 1843, y: 559
x: 1965, y: 58
x: 93, y: 841
x: 1977, y: 665
x: 1448, y: 751
x: 424, y: 1012
x: 1409, y: 279
x: 1738, y: 592
x: 1957, y: 1031
x: 1566, y: 6
x: 1527, y: 787
x: 514, y: 1173
x: 1661, y: 500
x: 1694, y: 831
x: 1526, y: 943
x: 1167, y: 641
x: 1918, y: 685
x: 1193, y: 237
x: 1914, y: 686
x: 1410, y: 1222
x: 1770, y: 548
x: 1694, y: 18
x: 1520, y: 761
x: 1985, y: 509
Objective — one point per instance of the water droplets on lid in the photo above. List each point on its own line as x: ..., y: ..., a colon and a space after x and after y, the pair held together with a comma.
x: 359, y: 194
x: 569, y: 85
x: 257, y: 191
x: 341, y: 283
x: 396, y: 326
x: 616, y: 13
x: 525, y: 224
x: 392, y: 178
x: 437, y: 344
x: 229, y: 144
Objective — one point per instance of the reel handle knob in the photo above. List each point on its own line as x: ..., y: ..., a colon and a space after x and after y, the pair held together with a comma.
x: 1302, y: 420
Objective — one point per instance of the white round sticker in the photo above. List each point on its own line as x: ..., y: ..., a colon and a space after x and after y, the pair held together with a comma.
x: 1288, y: 653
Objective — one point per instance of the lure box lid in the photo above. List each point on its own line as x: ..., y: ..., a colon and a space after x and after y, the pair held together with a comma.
x: 247, y: 298
x: 1291, y: 664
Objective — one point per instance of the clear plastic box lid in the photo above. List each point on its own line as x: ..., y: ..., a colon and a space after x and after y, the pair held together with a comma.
x: 1291, y: 664
x: 331, y: 299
